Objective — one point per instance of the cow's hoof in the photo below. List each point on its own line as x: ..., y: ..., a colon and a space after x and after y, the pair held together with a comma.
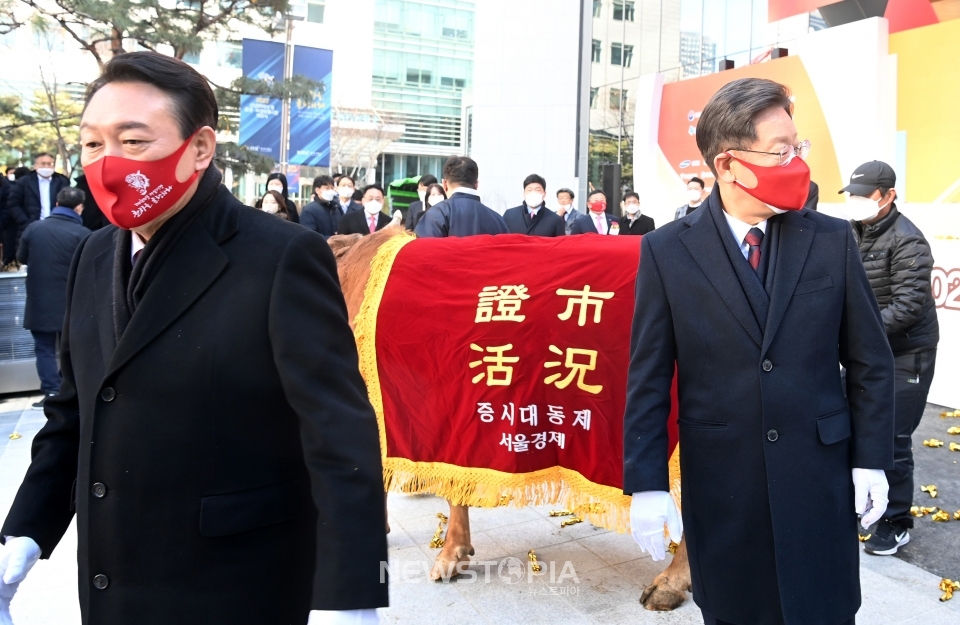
x: 445, y: 566
x: 661, y: 597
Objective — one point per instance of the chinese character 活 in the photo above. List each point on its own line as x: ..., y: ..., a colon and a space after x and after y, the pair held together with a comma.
x: 531, y: 417
x: 583, y: 418
x: 508, y: 299
x: 555, y: 414
x: 584, y: 299
x: 485, y: 410
x: 497, y: 365
x: 577, y: 369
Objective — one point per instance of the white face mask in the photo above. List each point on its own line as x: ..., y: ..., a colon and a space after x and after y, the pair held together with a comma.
x: 423, y: 195
x: 693, y: 195
x: 859, y: 208
x: 345, y: 192
x: 632, y: 209
x: 278, y: 187
x: 270, y: 206
x: 533, y: 199
x: 11, y: 177
x: 372, y: 207
x: 45, y: 172
x: 327, y: 195
x: 436, y: 199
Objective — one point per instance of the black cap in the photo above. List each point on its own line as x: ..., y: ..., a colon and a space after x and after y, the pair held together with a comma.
x: 869, y: 177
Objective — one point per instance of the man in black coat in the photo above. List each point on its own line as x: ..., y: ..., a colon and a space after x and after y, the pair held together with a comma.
x: 34, y: 196
x: 462, y: 214
x: 47, y: 248
x: 8, y: 226
x: 416, y: 209
x: 533, y: 217
x: 898, y: 262
x: 754, y: 308
x: 597, y: 220
x: 93, y: 218
x: 224, y: 464
x: 632, y: 221
x: 322, y: 215
x: 370, y: 219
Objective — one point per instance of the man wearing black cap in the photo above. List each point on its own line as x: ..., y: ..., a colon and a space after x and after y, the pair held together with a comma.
x: 898, y: 262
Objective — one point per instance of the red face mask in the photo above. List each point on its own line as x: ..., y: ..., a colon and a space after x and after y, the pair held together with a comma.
x: 598, y: 207
x: 133, y: 193
x: 785, y: 188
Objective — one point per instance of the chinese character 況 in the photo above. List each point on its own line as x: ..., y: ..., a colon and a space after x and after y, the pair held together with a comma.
x: 497, y: 374
x: 584, y: 299
x: 508, y: 299
x: 577, y: 369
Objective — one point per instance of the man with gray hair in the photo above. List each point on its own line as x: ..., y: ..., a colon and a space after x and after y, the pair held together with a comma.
x: 47, y: 246
x: 753, y: 301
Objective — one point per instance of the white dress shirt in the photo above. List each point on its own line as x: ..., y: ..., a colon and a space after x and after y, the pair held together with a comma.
x: 45, y: 207
x: 136, y: 245
x: 740, y: 230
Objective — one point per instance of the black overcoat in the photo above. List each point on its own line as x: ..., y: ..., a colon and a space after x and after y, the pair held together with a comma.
x: 546, y: 224
x: 224, y: 461
x: 767, y: 439
x: 639, y: 226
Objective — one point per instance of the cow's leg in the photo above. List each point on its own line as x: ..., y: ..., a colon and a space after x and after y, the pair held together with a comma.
x: 456, y: 544
x: 668, y: 589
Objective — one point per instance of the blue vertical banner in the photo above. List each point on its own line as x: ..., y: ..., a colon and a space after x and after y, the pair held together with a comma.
x: 310, y: 121
x: 260, y: 115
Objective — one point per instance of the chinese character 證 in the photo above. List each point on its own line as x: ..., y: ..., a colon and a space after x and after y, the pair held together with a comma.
x: 583, y: 418
x: 577, y: 369
x: 497, y: 374
x: 508, y: 299
x: 584, y: 299
x: 485, y: 410
x: 555, y: 414
x: 531, y: 417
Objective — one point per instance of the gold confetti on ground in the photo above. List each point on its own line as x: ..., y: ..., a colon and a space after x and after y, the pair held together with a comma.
x: 437, y: 542
x: 561, y: 513
x: 15, y: 436
x: 950, y: 413
x: 930, y: 490
x: 570, y: 522
x: 672, y: 547
x: 920, y: 511
x: 864, y: 539
x: 948, y: 586
x: 954, y: 447
x: 953, y: 430
x: 535, y: 566
x: 932, y: 442
x: 941, y: 516
x: 956, y: 515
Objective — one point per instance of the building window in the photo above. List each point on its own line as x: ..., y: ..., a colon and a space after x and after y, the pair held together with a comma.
x: 315, y: 11
x: 593, y: 96
x: 623, y: 11
x: 597, y: 50
x: 229, y: 54
x: 617, y: 98
x: 193, y: 57
x: 627, y: 55
x: 616, y: 53
x: 422, y: 77
x: 596, y: 7
x: 457, y: 83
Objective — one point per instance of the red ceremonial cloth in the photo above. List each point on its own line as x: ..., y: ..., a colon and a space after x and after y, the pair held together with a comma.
x: 473, y: 340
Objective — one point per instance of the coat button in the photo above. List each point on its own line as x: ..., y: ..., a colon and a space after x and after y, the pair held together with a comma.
x: 100, y: 582
x: 108, y: 394
x: 99, y: 490
x: 772, y: 436
x: 767, y: 366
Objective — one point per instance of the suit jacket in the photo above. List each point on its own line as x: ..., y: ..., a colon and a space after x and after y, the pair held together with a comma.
x: 356, y: 222
x: 93, y: 218
x: 322, y: 217
x: 641, y: 225
x: 224, y: 463
x: 23, y: 202
x: 767, y: 438
x: 460, y: 215
x: 685, y: 210
x: 47, y: 247
x: 414, y: 213
x: 586, y: 225
x: 546, y: 224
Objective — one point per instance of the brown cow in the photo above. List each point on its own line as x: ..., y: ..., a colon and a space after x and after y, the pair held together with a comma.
x: 354, y: 254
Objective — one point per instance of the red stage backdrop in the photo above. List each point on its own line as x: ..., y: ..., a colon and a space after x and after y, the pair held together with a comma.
x: 497, y: 367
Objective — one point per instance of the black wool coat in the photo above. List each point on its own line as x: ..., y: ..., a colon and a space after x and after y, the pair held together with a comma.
x: 224, y: 462
x: 767, y: 438
x: 322, y: 217
x: 546, y: 224
x: 47, y: 247
x: 639, y: 226
x: 23, y: 201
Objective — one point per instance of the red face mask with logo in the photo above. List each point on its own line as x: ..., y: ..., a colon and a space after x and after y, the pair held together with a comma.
x: 785, y: 188
x: 598, y: 207
x: 133, y: 193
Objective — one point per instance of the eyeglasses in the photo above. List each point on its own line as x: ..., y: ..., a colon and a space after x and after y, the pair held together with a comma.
x: 786, y: 154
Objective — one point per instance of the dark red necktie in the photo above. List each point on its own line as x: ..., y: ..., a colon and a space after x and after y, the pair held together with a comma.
x: 753, y: 239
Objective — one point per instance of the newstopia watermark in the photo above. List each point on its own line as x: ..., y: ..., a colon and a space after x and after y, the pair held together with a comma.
x: 561, y: 576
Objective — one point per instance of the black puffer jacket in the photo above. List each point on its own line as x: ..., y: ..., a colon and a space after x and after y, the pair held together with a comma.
x: 898, y: 261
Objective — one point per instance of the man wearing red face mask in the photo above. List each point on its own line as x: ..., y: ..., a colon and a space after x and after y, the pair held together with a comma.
x: 597, y: 220
x: 223, y: 463
x: 754, y: 301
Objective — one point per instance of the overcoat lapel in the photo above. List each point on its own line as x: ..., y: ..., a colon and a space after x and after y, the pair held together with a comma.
x: 749, y: 281
x: 796, y: 237
x: 104, y: 293
x: 703, y: 242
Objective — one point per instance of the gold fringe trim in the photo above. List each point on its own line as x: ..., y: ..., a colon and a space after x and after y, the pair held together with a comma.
x: 604, y: 506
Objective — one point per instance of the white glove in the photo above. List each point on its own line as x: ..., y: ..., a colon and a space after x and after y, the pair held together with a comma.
x: 649, y: 512
x: 870, y: 490
x: 17, y: 558
x: 397, y: 218
x: 341, y: 617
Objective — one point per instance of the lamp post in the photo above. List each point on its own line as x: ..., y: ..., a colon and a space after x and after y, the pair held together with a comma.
x: 287, y: 75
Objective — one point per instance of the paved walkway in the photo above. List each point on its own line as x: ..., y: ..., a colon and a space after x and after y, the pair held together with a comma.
x: 597, y: 575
